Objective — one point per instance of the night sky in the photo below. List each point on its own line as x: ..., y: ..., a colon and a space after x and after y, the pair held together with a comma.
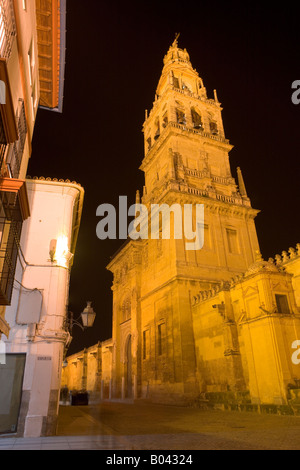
x: 249, y: 53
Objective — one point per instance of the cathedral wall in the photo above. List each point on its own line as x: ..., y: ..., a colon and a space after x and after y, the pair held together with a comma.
x: 210, y: 347
x: 244, y: 336
x: 268, y: 349
x: 90, y: 370
x: 168, y: 361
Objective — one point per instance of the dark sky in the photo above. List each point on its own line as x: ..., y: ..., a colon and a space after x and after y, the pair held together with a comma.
x: 248, y: 52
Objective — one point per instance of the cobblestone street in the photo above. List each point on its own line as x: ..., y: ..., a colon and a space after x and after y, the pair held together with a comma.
x: 148, y: 426
x: 142, y: 426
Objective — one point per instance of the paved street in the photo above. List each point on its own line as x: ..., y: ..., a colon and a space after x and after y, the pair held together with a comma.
x: 117, y: 426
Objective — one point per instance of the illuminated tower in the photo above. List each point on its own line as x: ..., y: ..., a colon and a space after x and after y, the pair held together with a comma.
x: 186, y: 162
x: 219, y: 322
x: 187, y: 156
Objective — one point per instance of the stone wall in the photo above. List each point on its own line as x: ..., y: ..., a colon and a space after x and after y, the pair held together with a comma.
x: 89, y: 370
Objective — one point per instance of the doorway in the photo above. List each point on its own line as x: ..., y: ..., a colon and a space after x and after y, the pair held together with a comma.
x: 11, y: 380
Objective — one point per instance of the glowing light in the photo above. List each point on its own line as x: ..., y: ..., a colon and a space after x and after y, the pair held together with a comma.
x: 62, y: 251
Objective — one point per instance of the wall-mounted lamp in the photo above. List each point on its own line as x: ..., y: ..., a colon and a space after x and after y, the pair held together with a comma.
x: 59, y: 251
x: 87, y: 317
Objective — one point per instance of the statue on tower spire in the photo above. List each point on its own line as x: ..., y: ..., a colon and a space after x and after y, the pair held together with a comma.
x: 175, y: 43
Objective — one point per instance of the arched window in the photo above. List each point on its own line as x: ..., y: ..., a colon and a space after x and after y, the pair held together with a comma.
x: 213, y: 127
x: 165, y: 120
x: 175, y: 81
x: 180, y: 115
x: 196, y: 118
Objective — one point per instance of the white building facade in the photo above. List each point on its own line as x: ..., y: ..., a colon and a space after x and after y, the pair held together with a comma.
x: 39, y: 220
x: 37, y: 315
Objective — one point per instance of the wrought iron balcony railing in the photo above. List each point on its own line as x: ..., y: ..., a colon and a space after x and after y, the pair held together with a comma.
x: 14, y: 209
x: 8, y: 29
x: 15, y: 152
x: 10, y: 231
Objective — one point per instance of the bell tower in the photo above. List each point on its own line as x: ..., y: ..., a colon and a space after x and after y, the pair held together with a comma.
x: 187, y: 161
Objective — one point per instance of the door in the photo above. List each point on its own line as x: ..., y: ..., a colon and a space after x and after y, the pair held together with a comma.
x: 11, y: 382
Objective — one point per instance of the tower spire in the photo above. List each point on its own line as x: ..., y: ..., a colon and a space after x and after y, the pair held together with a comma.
x: 242, y: 186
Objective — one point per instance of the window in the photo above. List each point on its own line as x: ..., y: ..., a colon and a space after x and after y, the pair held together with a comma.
x: 2, y: 27
x: 126, y: 310
x: 31, y: 63
x: 157, y: 131
x: 196, y: 118
x: 282, y: 303
x: 213, y: 127
x: 232, y: 240
x: 8, y: 125
x: 180, y: 117
x: 7, y: 28
x: 33, y: 102
x: 165, y: 120
x: 175, y: 82
x: 161, y: 339
x: 146, y: 344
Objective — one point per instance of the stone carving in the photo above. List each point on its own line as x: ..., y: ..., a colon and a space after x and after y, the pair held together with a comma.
x: 285, y: 257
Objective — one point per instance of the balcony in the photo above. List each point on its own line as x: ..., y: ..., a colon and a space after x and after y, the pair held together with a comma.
x: 8, y: 29
x: 14, y: 209
x: 8, y: 126
x: 15, y: 152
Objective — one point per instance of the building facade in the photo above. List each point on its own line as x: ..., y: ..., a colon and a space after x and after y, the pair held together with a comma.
x: 32, y: 42
x: 195, y: 325
x: 40, y: 219
x: 37, y: 314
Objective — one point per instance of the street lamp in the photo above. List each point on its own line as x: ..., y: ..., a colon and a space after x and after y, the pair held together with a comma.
x: 87, y: 317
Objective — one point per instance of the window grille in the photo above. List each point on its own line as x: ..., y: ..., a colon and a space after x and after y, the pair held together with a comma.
x: 7, y: 28
x: 15, y: 153
x: 10, y: 232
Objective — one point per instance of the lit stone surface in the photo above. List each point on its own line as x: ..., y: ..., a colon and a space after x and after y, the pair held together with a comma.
x: 214, y: 325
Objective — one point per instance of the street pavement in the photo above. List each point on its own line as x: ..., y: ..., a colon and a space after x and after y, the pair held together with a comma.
x: 144, y: 426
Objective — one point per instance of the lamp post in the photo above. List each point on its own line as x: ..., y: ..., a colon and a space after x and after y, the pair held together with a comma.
x: 87, y: 317
x: 87, y: 321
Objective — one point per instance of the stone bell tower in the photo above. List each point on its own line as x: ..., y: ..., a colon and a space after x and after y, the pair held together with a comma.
x: 186, y: 162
